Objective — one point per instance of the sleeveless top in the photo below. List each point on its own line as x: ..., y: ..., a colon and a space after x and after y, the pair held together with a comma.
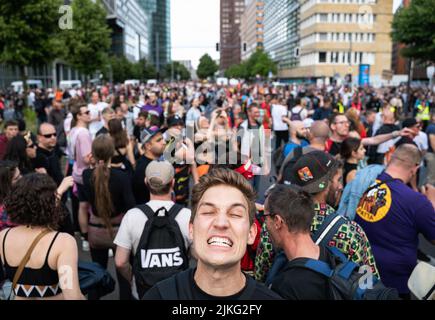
x: 34, y: 283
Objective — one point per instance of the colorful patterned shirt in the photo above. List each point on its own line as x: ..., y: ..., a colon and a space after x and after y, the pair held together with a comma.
x: 349, y: 239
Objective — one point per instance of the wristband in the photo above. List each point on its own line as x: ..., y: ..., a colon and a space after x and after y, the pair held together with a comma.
x: 396, y: 134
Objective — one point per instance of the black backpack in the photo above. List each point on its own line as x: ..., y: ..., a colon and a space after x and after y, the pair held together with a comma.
x: 296, y: 116
x: 344, y: 279
x: 161, y: 252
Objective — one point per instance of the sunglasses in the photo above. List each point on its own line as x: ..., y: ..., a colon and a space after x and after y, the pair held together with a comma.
x: 86, y: 112
x: 49, y: 135
x: 32, y: 145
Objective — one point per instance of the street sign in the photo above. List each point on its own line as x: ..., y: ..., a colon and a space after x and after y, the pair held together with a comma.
x: 387, y: 74
x: 364, y: 74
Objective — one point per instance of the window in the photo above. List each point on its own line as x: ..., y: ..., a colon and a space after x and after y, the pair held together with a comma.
x: 322, y: 57
x: 323, y: 17
x: 323, y: 36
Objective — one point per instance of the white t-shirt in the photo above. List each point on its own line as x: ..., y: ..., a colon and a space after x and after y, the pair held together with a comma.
x: 278, y: 111
x: 422, y: 141
x: 134, y: 221
x: 96, y: 110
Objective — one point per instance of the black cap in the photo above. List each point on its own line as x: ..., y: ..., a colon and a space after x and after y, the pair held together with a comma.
x: 175, y: 121
x: 312, y: 172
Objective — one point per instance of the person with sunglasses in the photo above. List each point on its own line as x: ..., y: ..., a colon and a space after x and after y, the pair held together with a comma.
x: 47, y: 155
x: 80, y: 148
x: 393, y: 215
x: 22, y: 149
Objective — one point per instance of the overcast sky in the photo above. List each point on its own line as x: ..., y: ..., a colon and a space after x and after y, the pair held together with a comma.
x: 195, y: 28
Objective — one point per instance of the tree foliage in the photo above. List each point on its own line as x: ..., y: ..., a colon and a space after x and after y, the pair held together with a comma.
x: 414, y: 26
x: 29, y: 33
x: 259, y: 63
x: 207, y: 67
x: 88, y: 42
x: 177, y: 71
x: 122, y: 69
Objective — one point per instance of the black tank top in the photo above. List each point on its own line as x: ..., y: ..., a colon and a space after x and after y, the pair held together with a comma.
x: 348, y: 167
x: 34, y: 283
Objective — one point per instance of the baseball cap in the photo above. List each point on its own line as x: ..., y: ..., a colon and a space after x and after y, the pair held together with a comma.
x: 409, y: 123
x: 312, y: 172
x: 159, y: 173
x: 175, y: 121
x: 148, y: 133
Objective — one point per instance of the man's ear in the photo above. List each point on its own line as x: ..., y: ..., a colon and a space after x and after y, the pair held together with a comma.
x: 191, y: 231
x: 252, y: 234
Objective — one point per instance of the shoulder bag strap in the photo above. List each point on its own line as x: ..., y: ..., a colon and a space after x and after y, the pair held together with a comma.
x: 27, y: 258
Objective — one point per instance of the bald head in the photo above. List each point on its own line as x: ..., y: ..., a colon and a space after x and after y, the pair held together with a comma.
x: 298, y: 130
x: 406, y: 156
x: 319, y: 130
x: 296, y: 125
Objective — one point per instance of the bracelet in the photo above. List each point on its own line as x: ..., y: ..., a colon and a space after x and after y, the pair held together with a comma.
x: 396, y: 134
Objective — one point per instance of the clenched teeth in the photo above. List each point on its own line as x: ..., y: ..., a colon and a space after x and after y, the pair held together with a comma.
x: 222, y: 242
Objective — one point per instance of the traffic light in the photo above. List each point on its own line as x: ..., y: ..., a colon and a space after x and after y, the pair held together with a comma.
x: 217, y: 46
x: 244, y: 46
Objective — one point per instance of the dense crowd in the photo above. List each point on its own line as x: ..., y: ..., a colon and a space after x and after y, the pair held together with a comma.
x: 253, y: 191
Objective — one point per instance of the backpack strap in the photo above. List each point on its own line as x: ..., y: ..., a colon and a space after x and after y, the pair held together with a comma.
x: 175, y: 210
x: 146, y: 209
x: 328, y: 229
x: 313, y: 265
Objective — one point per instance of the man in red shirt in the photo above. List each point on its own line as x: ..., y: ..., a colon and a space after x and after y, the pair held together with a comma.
x: 10, y: 131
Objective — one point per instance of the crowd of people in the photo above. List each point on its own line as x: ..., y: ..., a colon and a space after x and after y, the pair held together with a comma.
x: 203, y: 191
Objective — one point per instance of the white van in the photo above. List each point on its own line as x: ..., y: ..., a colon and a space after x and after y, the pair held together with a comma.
x: 31, y: 84
x: 70, y: 84
x: 152, y: 82
x: 133, y: 83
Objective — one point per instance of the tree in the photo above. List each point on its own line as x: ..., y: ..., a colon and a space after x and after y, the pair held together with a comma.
x: 259, y: 63
x: 147, y: 71
x: 121, y: 68
x: 29, y: 33
x: 414, y: 26
x: 175, y: 70
x: 88, y: 42
x: 237, y: 71
x: 207, y: 67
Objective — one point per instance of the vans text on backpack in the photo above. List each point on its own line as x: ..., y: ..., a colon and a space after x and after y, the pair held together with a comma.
x: 161, y: 252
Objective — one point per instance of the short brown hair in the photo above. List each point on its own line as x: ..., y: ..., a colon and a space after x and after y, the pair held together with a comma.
x: 227, y: 177
x: 75, y: 109
x: 158, y: 189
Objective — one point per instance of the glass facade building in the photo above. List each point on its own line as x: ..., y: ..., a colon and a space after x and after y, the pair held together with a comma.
x: 281, y: 32
x: 159, y: 31
x: 129, y: 25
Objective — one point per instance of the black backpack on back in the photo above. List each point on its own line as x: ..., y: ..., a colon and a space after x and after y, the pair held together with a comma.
x: 345, y: 280
x: 161, y: 252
